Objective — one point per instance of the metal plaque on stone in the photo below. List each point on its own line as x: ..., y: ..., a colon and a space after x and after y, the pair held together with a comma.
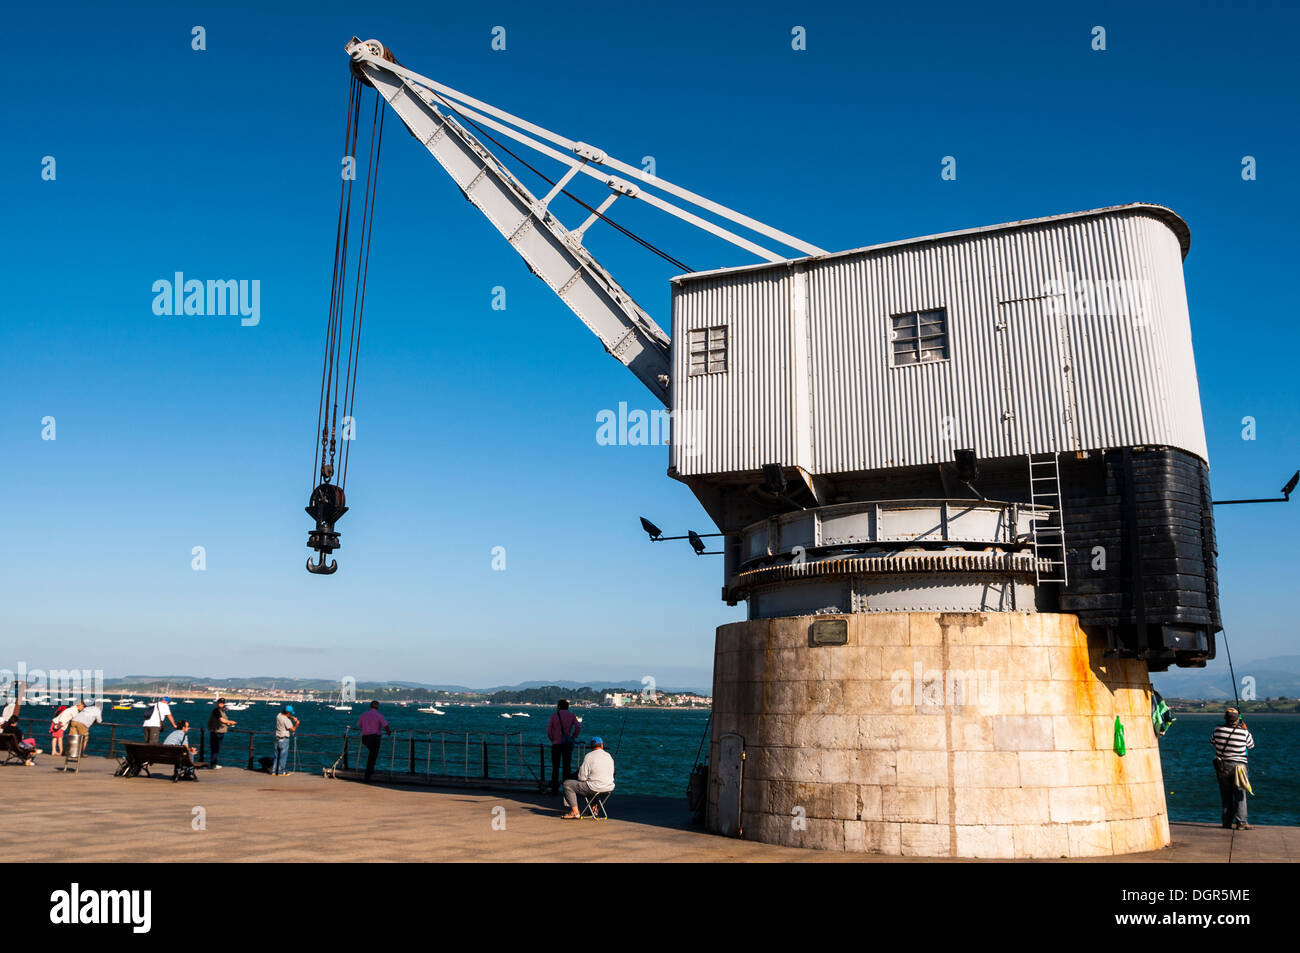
x: 830, y: 632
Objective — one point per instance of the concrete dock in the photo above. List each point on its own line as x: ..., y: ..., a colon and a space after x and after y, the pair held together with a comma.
x: 253, y: 817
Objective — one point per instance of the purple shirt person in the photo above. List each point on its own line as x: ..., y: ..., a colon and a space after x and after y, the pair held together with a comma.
x: 561, y: 730
x: 371, y: 724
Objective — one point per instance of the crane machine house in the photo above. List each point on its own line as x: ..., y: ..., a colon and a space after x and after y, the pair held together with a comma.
x: 962, y: 483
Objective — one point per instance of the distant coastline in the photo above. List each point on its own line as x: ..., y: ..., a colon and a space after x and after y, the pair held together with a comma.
x: 286, y: 691
x: 1261, y: 706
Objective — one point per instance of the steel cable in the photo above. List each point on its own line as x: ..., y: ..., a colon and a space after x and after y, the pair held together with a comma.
x: 544, y: 177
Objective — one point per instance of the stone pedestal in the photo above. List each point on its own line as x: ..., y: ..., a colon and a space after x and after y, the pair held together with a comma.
x: 935, y: 735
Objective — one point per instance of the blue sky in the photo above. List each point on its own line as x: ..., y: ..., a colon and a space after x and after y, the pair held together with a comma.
x: 477, y: 427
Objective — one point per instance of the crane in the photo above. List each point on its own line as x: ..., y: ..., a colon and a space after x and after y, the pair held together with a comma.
x: 438, y: 115
x: 453, y: 126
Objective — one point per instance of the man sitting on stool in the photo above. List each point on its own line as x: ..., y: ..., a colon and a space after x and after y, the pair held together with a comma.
x: 596, y: 776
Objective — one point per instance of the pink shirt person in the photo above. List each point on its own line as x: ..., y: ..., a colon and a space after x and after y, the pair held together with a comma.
x: 371, y: 722
x: 563, y: 727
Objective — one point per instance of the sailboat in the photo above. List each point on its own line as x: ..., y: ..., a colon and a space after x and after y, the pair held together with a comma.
x: 340, y: 706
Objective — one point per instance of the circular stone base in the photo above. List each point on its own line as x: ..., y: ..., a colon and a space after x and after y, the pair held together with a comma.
x: 931, y: 734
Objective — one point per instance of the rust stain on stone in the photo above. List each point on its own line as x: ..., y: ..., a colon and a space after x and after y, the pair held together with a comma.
x: 1081, y: 674
x: 961, y: 619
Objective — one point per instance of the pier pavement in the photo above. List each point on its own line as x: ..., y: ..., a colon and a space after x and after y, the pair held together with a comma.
x: 249, y: 817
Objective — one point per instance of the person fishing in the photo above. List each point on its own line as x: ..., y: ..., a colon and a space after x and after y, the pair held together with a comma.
x: 286, y: 723
x: 371, y: 724
x: 562, y: 730
x: 596, y: 776
x: 1231, y: 740
x: 218, y: 723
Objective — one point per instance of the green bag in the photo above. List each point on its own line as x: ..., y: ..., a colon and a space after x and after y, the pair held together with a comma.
x: 1120, y: 748
x: 1161, y: 716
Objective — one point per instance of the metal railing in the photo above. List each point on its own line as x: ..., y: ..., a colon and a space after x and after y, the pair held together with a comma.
x: 240, y: 744
x: 461, y: 756
x: 483, y: 757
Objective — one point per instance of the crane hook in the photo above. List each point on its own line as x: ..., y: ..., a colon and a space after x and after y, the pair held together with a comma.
x: 326, y: 506
x: 319, y: 568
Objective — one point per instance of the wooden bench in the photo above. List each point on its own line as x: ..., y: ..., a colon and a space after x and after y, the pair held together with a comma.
x: 141, y: 757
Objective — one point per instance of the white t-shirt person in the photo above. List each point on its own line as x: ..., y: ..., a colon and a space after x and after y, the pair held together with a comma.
x: 598, y: 770
x: 160, y: 711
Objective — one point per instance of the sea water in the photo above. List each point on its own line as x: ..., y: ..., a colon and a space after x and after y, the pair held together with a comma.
x: 655, y: 749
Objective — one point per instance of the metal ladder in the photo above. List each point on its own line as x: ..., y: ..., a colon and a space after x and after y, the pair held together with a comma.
x: 1049, y: 533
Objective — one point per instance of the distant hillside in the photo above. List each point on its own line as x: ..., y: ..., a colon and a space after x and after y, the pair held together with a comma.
x: 627, y: 686
x: 195, y: 684
x: 1274, y: 677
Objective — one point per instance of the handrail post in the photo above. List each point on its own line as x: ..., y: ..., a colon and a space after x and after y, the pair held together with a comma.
x: 483, y: 740
x: 202, y: 737
x: 411, y: 769
x: 112, y: 739
x: 251, y: 749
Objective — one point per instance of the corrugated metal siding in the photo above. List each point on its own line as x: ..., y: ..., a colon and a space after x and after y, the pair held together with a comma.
x: 724, y: 421
x: 1127, y: 383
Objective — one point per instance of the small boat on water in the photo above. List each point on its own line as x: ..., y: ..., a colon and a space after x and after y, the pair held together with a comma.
x: 139, y: 705
x: 121, y: 708
x: 237, y: 707
x: 506, y: 714
x: 522, y: 714
x: 341, y: 705
x: 433, y: 711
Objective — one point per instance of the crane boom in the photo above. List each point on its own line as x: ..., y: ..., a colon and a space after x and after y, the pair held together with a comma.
x: 437, y: 116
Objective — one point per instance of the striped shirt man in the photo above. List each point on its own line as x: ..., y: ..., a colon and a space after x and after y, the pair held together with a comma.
x: 1231, y: 742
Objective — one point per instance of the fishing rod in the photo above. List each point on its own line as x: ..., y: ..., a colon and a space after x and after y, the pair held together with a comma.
x: 619, y: 743
x: 1231, y: 672
x: 707, y: 722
